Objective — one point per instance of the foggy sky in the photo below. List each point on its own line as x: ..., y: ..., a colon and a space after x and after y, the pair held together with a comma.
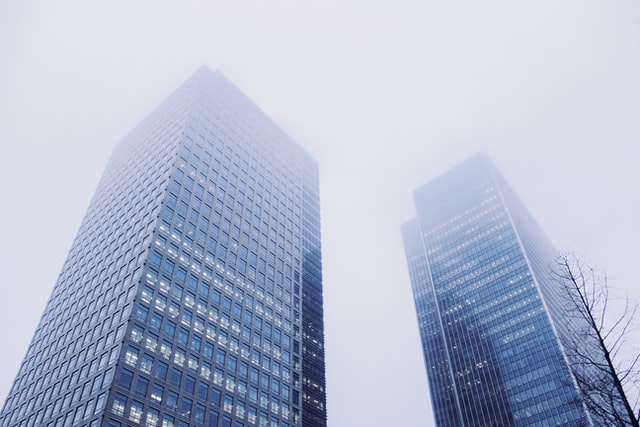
x: 385, y: 95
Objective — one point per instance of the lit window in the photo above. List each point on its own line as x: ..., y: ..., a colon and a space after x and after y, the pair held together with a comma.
x: 131, y: 356
x: 152, y: 417
x: 146, y: 363
x: 119, y: 402
x: 135, y: 412
x: 156, y: 393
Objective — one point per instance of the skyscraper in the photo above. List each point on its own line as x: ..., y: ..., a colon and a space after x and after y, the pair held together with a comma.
x: 489, y: 315
x: 192, y: 293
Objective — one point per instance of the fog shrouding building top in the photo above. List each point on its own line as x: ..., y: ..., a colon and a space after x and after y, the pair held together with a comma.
x: 489, y: 315
x: 192, y: 293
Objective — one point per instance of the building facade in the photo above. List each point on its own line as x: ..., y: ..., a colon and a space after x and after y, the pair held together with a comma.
x: 192, y: 293
x: 489, y: 315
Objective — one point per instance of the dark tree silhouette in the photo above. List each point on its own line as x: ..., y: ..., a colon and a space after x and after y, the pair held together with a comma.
x: 596, y: 338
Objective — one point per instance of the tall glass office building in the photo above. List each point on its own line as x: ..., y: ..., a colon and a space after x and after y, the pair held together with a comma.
x: 489, y: 315
x: 192, y: 293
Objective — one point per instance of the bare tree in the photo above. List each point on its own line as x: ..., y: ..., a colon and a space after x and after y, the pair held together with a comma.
x: 596, y: 338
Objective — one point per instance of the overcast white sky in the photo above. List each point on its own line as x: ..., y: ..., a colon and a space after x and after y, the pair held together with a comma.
x: 386, y: 95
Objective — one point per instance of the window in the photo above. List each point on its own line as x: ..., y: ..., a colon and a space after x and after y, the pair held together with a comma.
x: 179, y: 357
x: 255, y: 375
x: 232, y: 363
x: 203, y: 390
x: 146, y: 364
x: 228, y: 403
x: 156, y: 393
x: 88, y: 410
x: 183, y: 336
x: 215, y: 396
x: 176, y: 377
x: 213, y: 419
x: 168, y: 421
x: 136, y: 333
x: 190, y: 297
x: 189, y: 384
x: 208, y: 350
x: 126, y: 376
x: 218, y: 375
x: 181, y: 275
x: 119, y: 402
x: 156, y: 321
x: 151, y: 342
x: 253, y: 415
x: 198, y: 414
x: 237, y: 310
x: 231, y: 382
x: 204, y: 290
x: 147, y: 294
x: 244, y: 369
x: 187, y: 317
x: 196, y: 343
x: 264, y: 400
x: 152, y: 417
x: 165, y: 349
x: 215, y: 297
x: 192, y: 363
x: 265, y: 381
x: 161, y: 370
x: 240, y: 409
x: 141, y: 386
x: 99, y: 403
x: 220, y: 357
x: 156, y: 257
x: 135, y: 412
x: 131, y: 356
x: 172, y: 400
x: 205, y: 370
x: 77, y: 417
x: 242, y: 388
x: 176, y: 291
x: 169, y: 266
x: 169, y: 328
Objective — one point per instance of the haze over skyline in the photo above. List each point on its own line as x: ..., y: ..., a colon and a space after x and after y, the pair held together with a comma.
x: 384, y: 96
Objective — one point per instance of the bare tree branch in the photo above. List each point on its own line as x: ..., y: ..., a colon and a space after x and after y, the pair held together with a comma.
x: 596, y: 346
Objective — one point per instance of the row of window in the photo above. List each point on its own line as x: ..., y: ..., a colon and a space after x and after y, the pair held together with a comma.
x: 270, y: 377
x: 219, y: 309
x: 223, y: 247
x: 227, y: 370
x: 183, y: 412
x: 203, y: 268
x: 176, y: 212
x: 164, y: 314
x: 234, y: 197
x: 214, y: 141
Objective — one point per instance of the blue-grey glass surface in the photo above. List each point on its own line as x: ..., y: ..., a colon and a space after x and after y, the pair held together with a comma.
x: 192, y: 293
x: 486, y: 308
